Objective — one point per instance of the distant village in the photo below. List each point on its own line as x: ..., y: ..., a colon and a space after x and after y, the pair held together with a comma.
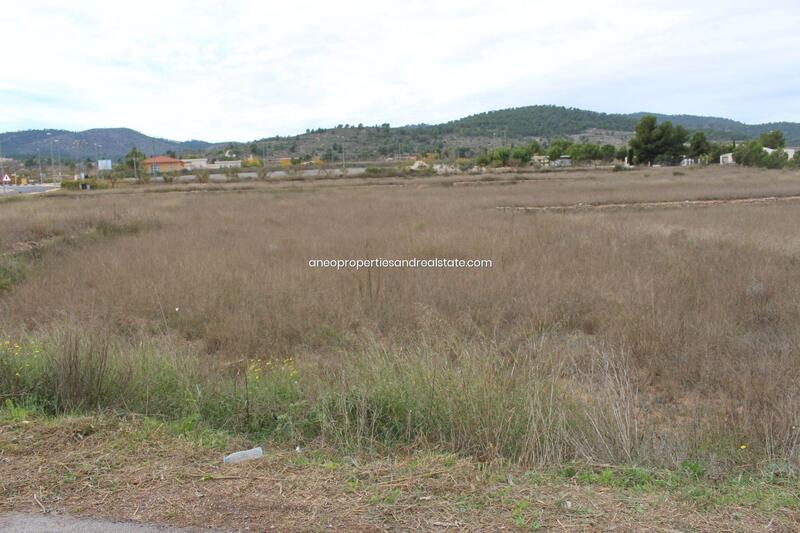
x: 653, y: 145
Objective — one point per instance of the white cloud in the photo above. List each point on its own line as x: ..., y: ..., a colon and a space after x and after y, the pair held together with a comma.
x: 247, y: 69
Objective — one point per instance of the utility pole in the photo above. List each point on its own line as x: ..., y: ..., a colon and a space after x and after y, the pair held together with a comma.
x: 58, y: 154
x: 97, y: 158
x: 52, y: 165
x: 39, y: 160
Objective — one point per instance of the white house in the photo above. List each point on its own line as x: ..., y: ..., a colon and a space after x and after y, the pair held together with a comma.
x: 727, y: 159
x: 563, y: 161
x: 195, y: 164
x: 790, y: 152
x: 203, y: 164
x: 228, y: 164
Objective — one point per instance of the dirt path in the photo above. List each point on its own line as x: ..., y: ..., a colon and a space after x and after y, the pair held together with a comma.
x: 666, y: 204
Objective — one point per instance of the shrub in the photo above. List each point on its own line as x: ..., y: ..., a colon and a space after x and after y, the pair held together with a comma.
x: 94, y: 183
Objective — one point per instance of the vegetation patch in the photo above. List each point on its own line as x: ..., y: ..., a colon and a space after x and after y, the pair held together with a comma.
x: 137, y: 468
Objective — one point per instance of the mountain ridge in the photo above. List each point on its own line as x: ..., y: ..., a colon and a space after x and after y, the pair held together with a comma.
x: 468, y: 134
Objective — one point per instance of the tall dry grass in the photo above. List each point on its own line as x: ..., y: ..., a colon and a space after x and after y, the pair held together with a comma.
x: 595, y: 335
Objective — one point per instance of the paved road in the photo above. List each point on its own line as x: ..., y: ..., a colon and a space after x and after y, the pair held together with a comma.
x: 25, y: 189
x: 53, y: 523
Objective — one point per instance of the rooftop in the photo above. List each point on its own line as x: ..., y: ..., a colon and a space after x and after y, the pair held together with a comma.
x: 162, y: 159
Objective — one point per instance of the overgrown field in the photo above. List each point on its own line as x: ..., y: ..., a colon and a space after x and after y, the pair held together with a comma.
x: 662, y: 339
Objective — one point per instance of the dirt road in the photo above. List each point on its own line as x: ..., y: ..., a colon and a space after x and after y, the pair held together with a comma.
x: 650, y: 205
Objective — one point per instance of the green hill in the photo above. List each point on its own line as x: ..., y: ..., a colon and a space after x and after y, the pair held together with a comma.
x: 538, y: 121
x: 465, y: 136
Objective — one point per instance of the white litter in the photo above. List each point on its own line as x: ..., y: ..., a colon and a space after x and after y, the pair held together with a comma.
x: 244, y: 455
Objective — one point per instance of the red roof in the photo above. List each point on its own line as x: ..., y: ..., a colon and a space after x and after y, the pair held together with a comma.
x: 161, y: 159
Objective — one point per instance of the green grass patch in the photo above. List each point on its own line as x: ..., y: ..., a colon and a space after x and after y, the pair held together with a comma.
x: 12, y: 271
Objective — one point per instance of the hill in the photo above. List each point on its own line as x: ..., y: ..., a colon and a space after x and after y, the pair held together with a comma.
x: 110, y: 143
x: 554, y: 121
x: 468, y: 135
x: 463, y: 137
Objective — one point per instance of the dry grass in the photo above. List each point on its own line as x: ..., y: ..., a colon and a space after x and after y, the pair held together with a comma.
x: 666, y: 336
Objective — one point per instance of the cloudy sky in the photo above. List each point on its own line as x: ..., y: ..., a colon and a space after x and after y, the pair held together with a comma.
x: 240, y: 70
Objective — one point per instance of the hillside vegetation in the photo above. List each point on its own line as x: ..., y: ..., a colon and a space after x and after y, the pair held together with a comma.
x: 463, y: 137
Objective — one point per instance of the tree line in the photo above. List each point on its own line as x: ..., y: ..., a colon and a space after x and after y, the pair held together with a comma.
x: 653, y: 143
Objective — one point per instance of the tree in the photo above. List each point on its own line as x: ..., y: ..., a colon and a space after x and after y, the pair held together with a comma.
x: 773, y: 139
x: 663, y: 143
x: 717, y: 149
x: 750, y: 154
x: 557, y: 148
x: 672, y: 140
x: 584, y: 152
x: 521, y: 155
x: 607, y: 152
x: 699, y: 145
x: 645, y: 143
x: 500, y: 156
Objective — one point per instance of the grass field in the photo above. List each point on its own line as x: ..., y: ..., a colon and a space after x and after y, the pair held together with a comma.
x: 631, y: 365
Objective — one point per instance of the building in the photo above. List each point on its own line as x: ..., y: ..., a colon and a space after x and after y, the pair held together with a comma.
x: 563, y: 161
x: 162, y: 163
x: 790, y: 152
x: 195, y: 164
x: 203, y: 164
x: 727, y: 159
x: 689, y: 162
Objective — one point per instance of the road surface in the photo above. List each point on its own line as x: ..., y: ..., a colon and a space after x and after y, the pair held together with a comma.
x: 54, y: 523
x: 25, y: 189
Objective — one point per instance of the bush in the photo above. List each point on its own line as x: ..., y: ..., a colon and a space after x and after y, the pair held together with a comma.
x: 94, y: 183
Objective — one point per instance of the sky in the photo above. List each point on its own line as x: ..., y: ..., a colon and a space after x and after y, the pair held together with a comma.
x: 243, y: 70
